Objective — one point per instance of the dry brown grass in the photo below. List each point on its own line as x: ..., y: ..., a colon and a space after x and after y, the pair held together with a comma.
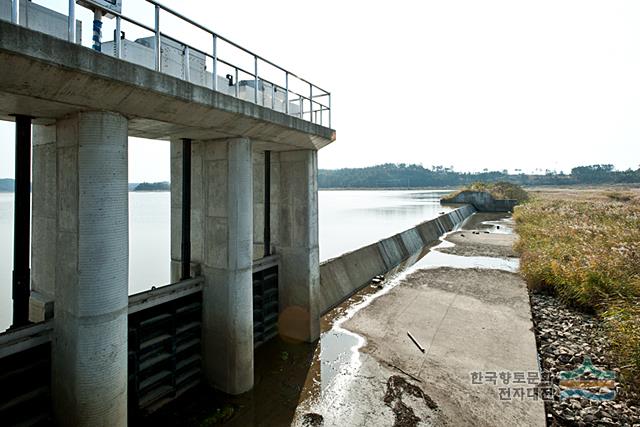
x: 584, y: 245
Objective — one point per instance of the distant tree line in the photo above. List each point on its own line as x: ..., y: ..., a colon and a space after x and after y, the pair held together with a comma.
x: 153, y: 186
x: 402, y: 175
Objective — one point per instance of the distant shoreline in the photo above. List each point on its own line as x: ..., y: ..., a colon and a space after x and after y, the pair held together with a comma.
x: 443, y: 188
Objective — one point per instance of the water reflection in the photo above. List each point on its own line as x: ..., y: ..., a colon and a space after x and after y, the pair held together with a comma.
x: 352, y: 219
x: 347, y: 220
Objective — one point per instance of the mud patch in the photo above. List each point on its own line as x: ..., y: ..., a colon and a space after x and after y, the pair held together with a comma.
x: 399, y: 388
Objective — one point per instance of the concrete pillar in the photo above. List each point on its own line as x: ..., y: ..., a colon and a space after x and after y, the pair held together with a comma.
x: 298, y: 246
x: 43, y: 223
x: 89, y: 383
x: 221, y: 242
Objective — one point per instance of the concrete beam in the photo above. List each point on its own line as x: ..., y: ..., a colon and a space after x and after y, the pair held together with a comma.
x: 298, y: 246
x: 48, y: 77
x: 89, y: 354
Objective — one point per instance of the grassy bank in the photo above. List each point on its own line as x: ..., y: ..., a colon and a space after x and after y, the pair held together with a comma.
x: 586, y: 250
x: 499, y: 190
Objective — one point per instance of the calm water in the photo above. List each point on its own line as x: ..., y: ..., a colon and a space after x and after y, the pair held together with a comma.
x: 348, y: 220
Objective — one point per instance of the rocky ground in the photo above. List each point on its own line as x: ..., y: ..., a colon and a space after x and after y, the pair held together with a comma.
x: 564, y: 337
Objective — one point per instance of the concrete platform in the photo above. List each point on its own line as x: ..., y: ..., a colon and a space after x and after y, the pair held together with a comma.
x: 467, y: 320
x: 49, y: 78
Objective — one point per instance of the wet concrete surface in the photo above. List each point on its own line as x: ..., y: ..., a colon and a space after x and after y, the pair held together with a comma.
x: 470, y: 315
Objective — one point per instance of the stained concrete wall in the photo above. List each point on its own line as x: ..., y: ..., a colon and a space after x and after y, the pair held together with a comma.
x: 43, y: 223
x: 299, y: 274
x: 342, y: 276
x: 482, y: 201
x: 221, y: 250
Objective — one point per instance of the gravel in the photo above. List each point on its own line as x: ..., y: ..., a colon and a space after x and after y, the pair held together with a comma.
x: 564, y: 337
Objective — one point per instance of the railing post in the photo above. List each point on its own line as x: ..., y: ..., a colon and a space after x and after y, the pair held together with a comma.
x: 118, y: 38
x: 15, y: 12
x: 255, y: 74
x: 329, y: 109
x: 237, y: 83
x: 286, y: 92
x: 187, y: 66
x: 215, y: 62
x: 311, y: 102
x: 71, y: 22
x: 157, y: 45
x: 301, y: 107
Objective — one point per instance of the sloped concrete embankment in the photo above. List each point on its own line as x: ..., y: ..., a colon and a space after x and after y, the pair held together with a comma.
x: 342, y: 276
x: 482, y: 201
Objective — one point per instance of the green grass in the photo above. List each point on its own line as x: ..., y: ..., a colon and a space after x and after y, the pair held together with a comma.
x: 587, y: 252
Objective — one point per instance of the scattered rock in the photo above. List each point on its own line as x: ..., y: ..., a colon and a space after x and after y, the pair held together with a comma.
x: 312, y: 420
x: 564, y: 337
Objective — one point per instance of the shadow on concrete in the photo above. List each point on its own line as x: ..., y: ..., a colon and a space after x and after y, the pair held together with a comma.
x: 281, y: 369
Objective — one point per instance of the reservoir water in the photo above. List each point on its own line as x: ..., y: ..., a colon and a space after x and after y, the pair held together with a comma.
x: 347, y: 220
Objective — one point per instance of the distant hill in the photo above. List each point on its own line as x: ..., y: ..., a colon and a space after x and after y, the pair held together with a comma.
x: 153, y: 186
x: 402, y: 175
x: 7, y: 185
x: 416, y: 176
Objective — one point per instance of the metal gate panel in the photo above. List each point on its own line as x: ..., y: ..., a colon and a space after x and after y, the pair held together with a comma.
x: 25, y: 376
x: 164, y: 350
x: 265, y: 305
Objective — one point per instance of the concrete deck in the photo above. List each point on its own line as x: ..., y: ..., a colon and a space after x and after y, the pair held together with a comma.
x: 468, y: 320
x: 50, y: 78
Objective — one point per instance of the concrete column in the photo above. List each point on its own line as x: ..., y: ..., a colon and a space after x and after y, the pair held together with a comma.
x: 89, y: 384
x: 222, y: 247
x: 298, y: 246
x: 43, y: 223
x: 228, y: 261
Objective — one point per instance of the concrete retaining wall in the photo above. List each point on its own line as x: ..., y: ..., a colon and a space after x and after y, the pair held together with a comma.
x: 482, y: 201
x: 342, y: 276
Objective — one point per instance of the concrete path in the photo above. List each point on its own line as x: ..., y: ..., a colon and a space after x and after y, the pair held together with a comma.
x: 468, y: 320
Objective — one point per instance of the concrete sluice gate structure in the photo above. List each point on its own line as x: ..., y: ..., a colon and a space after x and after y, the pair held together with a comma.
x: 244, y: 220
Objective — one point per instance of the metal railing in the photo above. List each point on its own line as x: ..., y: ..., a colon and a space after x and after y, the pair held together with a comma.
x: 311, y: 106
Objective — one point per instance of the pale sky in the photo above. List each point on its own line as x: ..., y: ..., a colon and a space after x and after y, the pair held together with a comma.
x: 470, y: 84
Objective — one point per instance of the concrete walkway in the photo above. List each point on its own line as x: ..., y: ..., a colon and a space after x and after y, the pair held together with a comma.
x: 468, y: 320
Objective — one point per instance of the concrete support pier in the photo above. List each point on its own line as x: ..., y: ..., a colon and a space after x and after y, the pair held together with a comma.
x: 298, y: 245
x: 89, y: 354
x: 43, y: 223
x: 222, y: 243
